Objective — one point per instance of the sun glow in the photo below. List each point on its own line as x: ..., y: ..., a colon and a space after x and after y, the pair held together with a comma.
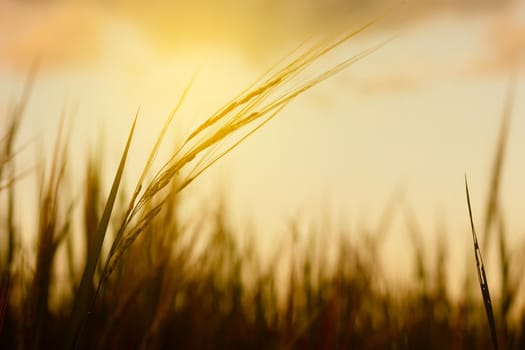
x: 403, y: 117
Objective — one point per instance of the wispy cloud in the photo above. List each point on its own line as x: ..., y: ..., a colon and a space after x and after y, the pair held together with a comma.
x: 64, y: 32
x: 505, y: 47
x: 391, y: 83
x: 453, y: 48
x: 55, y: 34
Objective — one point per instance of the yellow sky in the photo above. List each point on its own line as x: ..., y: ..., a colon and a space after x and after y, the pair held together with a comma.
x: 415, y: 115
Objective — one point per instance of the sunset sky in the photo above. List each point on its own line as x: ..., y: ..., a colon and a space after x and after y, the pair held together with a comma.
x: 411, y: 118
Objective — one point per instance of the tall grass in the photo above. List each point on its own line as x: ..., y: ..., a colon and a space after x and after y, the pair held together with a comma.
x: 494, y: 216
x: 482, y: 277
x: 165, y: 283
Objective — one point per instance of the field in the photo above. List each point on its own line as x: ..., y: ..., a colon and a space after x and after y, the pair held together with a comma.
x: 145, y: 280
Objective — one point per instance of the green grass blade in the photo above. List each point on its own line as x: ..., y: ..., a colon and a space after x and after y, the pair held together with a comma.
x: 481, y: 275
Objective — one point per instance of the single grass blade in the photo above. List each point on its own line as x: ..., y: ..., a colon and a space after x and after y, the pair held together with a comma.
x: 79, y: 313
x: 131, y: 207
x: 481, y: 275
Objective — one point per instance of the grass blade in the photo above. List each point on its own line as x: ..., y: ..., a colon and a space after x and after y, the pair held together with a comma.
x: 79, y: 313
x: 497, y: 166
x: 481, y: 275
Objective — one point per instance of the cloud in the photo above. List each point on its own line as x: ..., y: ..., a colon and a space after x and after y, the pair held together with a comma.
x: 65, y: 32
x: 53, y: 34
x: 504, y: 49
x: 388, y: 84
x: 258, y: 24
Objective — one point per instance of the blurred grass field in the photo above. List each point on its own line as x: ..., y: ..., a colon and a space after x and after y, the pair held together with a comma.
x: 128, y: 272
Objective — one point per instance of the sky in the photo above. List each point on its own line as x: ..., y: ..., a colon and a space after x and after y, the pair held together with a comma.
x: 411, y: 118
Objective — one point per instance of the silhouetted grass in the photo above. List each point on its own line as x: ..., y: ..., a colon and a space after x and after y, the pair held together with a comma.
x: 167, y: 284
x: 482, y: 277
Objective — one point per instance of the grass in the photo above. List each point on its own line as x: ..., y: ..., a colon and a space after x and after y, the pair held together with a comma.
x: 492, y: 212
x: 482, y: 277
x: 168, y: 284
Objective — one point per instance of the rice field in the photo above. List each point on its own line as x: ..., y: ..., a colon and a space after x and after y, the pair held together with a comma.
x: 145, y: 280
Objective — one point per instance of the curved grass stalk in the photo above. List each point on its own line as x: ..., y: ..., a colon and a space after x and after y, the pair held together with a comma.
x: 482, y: 278
x: 79, y: 312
